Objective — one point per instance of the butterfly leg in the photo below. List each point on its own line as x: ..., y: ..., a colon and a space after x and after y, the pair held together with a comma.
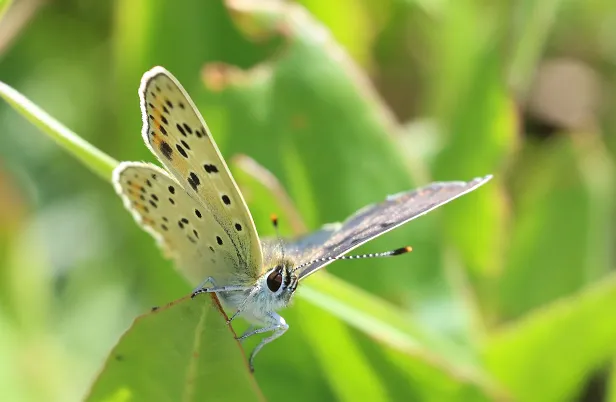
x: 277, y: 324
x: 216, y: 289
x: 209, y: 279
x: 240, y: 308
x: 242, y: 337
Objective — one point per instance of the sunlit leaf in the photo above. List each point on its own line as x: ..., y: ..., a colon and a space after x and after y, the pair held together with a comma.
x: 181, y: 351
x: 557, y: 346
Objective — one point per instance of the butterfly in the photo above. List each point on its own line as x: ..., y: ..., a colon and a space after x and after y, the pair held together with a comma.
x: 196, y: 212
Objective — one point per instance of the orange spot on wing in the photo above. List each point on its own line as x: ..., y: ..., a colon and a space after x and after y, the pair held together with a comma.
x: 157, y: 116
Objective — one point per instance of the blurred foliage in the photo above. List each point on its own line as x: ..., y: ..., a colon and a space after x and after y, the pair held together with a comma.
x: 508, y: 293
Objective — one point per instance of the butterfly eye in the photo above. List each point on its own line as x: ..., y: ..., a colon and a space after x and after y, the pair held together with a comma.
x: 274, y: 280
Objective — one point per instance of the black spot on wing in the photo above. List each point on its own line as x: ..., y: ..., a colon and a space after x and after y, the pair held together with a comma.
x: 166, y: 150
x: 181, y: 150
x: 193, y: 180
x: 210, y: 168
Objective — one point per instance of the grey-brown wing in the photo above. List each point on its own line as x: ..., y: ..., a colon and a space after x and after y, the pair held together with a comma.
x: 377, y: 219
x: 303, y: 248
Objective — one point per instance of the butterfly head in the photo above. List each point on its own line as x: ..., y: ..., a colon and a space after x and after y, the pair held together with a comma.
x: 281, y: 281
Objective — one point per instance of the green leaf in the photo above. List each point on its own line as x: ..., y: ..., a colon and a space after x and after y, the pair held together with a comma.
x: 181, y: 351
x: 555, y: 194
x: 426, y: 358
x: 557, y: 346
x: 90, y: 156
x: 351, y: 378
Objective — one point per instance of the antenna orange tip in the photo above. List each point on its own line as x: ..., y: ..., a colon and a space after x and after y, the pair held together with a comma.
x: 402, y: 250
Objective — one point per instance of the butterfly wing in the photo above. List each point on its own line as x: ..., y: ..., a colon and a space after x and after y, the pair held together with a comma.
x: 301, y: 249
x: 177, y: 134
x: 377, y: 219
x: 182, y: 227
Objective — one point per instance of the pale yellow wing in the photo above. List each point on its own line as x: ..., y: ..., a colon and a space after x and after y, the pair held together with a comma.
x: 177, y: 134
x: 182, y: 227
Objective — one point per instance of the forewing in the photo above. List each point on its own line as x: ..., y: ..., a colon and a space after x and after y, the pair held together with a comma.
x: 377, y: 219
x: 182, y: 227
x: 177, y: 134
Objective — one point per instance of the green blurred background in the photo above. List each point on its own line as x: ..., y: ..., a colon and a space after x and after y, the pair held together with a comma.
x: 344, y: 101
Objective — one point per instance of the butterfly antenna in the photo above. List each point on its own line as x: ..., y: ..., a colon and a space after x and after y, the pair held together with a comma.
x: 274, y: 219
x: 392, y: 253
